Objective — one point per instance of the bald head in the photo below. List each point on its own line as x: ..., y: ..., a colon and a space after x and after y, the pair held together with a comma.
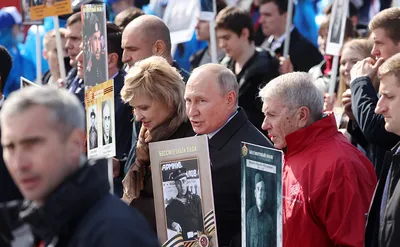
x: 153, y: 28
x: 144, y: 37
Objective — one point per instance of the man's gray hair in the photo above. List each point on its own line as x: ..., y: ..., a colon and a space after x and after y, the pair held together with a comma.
x: 66, y: 110
x: 226, y: 79
x: 296, y: 89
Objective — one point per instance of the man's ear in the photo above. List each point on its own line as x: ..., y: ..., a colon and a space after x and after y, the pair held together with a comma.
x: 245, y: 33
x: 303, y: 116
x: 44, y: 52
x: 231, y: 99
x: 159, y: 48
x: 112, y: 60
x: 75, y: 145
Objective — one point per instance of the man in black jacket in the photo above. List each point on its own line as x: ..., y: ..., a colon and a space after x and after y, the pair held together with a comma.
x: 385, y: 28
x: 303, y: 54
x: 212, y: 107
x: 67, y: 199
x: 253, y: 67
x: 384, y: 216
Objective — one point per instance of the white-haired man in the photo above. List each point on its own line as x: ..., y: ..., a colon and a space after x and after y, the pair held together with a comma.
x: 327, y: 183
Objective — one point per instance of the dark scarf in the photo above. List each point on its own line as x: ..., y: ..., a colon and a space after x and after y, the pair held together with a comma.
x: 133, y: 182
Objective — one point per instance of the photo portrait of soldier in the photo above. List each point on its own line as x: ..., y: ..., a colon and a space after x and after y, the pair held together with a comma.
x: 94, y: 49
x: 259, y: 224
x: 337, y: 23
x: 106, y: 121
x: 184, y: 212
x: 93, y: 134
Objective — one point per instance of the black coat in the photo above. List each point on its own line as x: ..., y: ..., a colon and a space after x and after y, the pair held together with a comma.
x: 257, y: 71
x: 386, y: 234
x: 82, y: 212
x: 225, y: 156
x: 303, y: 54
x: 370, y: 125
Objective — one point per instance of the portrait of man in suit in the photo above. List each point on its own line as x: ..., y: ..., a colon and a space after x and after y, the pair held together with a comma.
x: 107, y: 126
x: 93, y: 131
x: 336, y: 30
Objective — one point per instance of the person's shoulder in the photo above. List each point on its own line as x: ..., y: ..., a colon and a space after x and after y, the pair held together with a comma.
x: 249, y: 133
x: 111, y: 222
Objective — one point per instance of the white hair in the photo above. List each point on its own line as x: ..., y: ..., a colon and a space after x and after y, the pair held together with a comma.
x: 296, y: 89
x: 65, y: 108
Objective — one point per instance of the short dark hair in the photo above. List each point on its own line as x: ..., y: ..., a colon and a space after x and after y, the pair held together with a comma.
x: 75, y: 18
x: 114, y: 36
x: 235, y: 20
x: 5, y: 68
x: 126, y: 16
x: 282, y: 5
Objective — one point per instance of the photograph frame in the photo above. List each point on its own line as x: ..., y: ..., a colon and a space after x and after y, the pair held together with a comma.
x: 261, y: 169
x: 42, y: 9
x: 178, y: 150
x: 337, y: 26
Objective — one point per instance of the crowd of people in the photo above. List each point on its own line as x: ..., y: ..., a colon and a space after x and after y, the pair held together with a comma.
x: 341, y: 151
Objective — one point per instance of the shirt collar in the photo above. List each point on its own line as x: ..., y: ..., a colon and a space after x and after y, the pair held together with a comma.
x: 215, y: 132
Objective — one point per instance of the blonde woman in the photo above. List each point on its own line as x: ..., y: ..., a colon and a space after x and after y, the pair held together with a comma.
x: 155, y: 91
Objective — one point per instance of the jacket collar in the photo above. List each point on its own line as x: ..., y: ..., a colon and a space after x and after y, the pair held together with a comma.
x: 225, y: 134
x: 69, y: 203
x: 319, y: 130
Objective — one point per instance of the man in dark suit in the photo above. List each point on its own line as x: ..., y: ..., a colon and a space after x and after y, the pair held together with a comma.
x: 212, y: 107
x: 303, y: 54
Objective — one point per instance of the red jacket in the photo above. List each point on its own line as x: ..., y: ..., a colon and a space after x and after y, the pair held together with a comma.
x: 327, y: 188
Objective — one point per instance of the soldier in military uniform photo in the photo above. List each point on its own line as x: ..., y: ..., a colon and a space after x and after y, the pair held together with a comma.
x: 259, y: 224
x: 184, y: 213
x: 95, y: 65
x: 93, y: 131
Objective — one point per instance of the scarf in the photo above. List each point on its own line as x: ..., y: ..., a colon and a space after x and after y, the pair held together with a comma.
x: 134, y: 180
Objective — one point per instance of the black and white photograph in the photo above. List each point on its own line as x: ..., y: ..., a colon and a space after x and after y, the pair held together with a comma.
x: 94, y: 44
x: 37, y: 2
x: 106, y: 122
x: 93, y: 134
x: 261, y: 196
x: 337, y: 26
x: 182, y: 198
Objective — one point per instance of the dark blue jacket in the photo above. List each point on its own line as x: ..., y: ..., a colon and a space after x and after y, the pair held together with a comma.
x: 81, y: 212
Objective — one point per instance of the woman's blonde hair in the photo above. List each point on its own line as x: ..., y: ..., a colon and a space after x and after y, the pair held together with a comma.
x: 362, y: 47
x: 157, y: 79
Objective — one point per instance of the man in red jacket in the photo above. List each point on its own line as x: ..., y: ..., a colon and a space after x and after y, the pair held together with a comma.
x: 327, y: 183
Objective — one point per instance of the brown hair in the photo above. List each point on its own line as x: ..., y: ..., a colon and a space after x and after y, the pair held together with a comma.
x: 388, y: 20
x: 235, y: 20
x: 75, y: 18
x: 390, y: 67
x: 126, y: 16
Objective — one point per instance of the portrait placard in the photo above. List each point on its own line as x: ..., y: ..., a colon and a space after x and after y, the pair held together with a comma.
x: 94, y: 44
x: 261, y: 196
x: 27, y: 83
x: 183, y: 194
x: 26, y: 14
x: 40, y: 9
x: 337, y: 26
x: 100, y: 131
